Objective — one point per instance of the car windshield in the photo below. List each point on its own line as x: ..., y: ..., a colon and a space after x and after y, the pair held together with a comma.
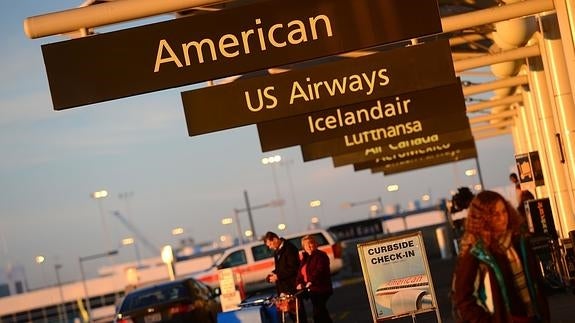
x: 155, y: 295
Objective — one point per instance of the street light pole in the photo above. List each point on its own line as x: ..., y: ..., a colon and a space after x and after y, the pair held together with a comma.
x: 40, y: 261
x: 272, y: 161
x: 83, y: 277
x: 316, y: 204
x: 98, y: 196
x: 238, y: 226
x: 290, y: 182
x: 249, y: 210
x: 62, y: 307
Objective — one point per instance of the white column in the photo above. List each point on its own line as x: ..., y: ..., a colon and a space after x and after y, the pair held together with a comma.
x: 563, y: 108
x: 560, y: 202
x: 536, y: 139
x: 565, y: 10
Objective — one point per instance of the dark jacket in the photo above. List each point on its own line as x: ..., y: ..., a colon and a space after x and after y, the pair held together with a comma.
x: 469, y: 275
x: 318, y: 272
x: 286, y: 267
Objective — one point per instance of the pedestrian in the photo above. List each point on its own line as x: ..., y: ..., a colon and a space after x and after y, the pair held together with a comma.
x: 514, y: 179
x: 315, y: 276
x: 287, y: 263
x: 496, y: 278
x: 524, y: 197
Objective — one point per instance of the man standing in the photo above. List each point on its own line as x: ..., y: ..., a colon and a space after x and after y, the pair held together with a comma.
x: 287, y: 262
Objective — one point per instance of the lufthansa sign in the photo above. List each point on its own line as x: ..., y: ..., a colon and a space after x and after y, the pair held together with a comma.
x: 228, y: 42
x: 453, y: 126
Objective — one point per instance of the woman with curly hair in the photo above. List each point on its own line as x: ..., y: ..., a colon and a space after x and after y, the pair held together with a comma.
x: 496, y: 278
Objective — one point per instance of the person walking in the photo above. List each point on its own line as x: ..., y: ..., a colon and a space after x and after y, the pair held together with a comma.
x: 496, y: 278
x: 287, y: 263
x: 315, y: 276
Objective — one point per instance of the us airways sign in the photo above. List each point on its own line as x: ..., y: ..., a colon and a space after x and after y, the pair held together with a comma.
x: 224, y: 43
x: 324, y: 86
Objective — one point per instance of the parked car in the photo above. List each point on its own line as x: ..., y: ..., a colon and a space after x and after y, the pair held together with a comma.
x: 254, y: 260
x: 183, y: 300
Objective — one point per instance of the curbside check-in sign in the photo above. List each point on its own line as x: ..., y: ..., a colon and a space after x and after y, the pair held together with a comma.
x: 224, y: 43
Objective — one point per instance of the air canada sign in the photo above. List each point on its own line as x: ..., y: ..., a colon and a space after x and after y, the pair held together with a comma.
x: 228, y: 42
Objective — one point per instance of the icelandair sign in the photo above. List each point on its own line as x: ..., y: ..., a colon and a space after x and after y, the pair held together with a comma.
x: 224, y: 43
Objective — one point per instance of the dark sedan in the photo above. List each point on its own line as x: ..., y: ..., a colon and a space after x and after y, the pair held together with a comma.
x: 184, y: 300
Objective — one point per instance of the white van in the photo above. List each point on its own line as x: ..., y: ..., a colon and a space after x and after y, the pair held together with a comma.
x: 254, y: 260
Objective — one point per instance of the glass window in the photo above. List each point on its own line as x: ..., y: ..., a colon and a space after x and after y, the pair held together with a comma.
x: 19, y: 287
x: 51, y: 311
x: 22, y: 317
x: 96, y: 302
x: 319, y: 238
x: 110, y: 299
x: 261, y: 252
x: 7, y: 319
x: 4, y: 290
x: 37, y: 314
x: 236, y: 258
x: 203, y: 290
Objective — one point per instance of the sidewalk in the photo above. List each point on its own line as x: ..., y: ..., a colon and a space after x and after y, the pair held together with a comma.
x: 348, y: 304
x: 561, y: 302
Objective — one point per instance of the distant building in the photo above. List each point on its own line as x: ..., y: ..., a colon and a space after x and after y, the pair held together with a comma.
x: 12, y: 281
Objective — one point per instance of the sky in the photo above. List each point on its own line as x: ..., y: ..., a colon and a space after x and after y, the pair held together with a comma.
x: 51, y: 162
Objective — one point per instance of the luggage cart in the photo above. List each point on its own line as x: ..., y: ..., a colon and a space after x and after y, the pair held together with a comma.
x: 286, y: 303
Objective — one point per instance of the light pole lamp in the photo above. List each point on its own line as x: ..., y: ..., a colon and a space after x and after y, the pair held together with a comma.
x: 83, y: 276
x: 131, y: 241
x: 317, y: 204
x: 235, y: 219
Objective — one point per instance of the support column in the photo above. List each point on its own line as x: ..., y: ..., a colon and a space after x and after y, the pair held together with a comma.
x: 565, y: 10
x: 563, y: 108
x: 560, y: 202
x: 536, y: 139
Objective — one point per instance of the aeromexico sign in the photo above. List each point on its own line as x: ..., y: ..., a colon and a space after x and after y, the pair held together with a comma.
x: 435, y: 159
x: 414, y: 156
x: 228, y: 42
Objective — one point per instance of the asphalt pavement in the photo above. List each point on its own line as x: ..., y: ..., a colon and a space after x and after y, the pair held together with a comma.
x: 350, y: 304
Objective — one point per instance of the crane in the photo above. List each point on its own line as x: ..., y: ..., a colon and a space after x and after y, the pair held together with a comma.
x: 150, y: 246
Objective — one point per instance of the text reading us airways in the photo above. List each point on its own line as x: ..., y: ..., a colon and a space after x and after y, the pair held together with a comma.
x: 231, y: 45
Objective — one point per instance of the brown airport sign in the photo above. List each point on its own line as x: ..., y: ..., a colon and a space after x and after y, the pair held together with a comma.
x: 388, y: 117
x: 428, y: 161
x: 340, y: 146
x: 323, y: 86
x: 397, y: 147
x: 229, y: 42
x: 413, y: 156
